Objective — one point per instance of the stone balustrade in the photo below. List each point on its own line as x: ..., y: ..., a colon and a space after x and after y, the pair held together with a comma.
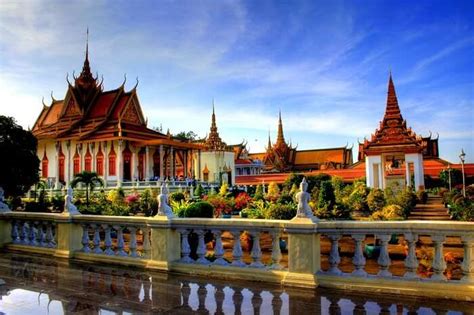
x: 213, y: 247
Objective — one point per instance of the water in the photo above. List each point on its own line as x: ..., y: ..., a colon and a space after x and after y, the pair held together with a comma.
x: 42, y: 285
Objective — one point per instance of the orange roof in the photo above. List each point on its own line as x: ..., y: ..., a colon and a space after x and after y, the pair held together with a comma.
x: 52, y: 115
x: 103, y: 104
x: 120, y: 105
x: 320, y: 156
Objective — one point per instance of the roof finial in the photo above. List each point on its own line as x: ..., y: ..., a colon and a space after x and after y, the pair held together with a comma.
x: 280, y: 136
x: 87, y: 43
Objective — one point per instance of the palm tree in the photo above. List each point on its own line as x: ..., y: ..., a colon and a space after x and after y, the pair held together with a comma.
x: 88, y: 179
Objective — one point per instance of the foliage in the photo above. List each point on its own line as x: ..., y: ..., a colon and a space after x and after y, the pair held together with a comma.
x: 223, y: 190
x: 460, y: 207
x: 185, y: 136
x: 179, y: 207
x: 390, y: 212
x: 146, y: 201
x: 313, y: 180
x: 177, y: 196
x: 220, y: 204
x: 199, y: 191
x: 258, y: 193
x: 19, y: 163
x: 357, y: 200
x: 200, y: 209
x: 286, y: 198
x: 326, y: 198
x: 456, y: 177
x: 338, y: 186
x: 116, y: 196
x: 133, y: 202
x: 294, y: 189
x: 242, y: 201
x: 422, y: 196
x: 116, y: 209
x: 376, y: 200
x: 273, y: 192
x: 280, y: 212
x: 256, y: 209
x: 57, y: 202
x: 89, y: 179
x: 406, y: 199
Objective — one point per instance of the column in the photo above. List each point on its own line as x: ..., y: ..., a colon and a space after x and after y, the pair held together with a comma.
x: 172, y: 164
x: 82, y: 152
x: 134, y: 165
x: 380, y: 175
x: 94, y: 157
x: 407, y: 173
x: 199, y: 166
x: 147, y: 163
x: 67, y: 161
x: 58, y: 146
x: 162, y: 153
x: 106, y: 163
x: 185, y: 163
x: 119, y: 163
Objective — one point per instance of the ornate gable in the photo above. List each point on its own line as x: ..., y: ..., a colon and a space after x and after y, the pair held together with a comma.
x: 131, y: 114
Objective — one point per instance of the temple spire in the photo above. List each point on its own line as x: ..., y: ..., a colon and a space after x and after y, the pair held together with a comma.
x: 269, y: 145
x: 280, y: 136
x: 214, y: 141
x: 392, y: 109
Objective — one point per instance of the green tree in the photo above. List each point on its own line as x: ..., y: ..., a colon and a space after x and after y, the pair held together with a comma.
x: 456, y: 177
x: 326, y: 196
x: 185, y: 136
x: 19, y: 163
x: 273, y: 191
x: 90, y: 180
x: 258, y: 193
x: 199, y: 191
x: 376, y: 200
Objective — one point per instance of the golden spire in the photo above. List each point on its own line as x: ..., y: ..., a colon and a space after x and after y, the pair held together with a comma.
x: 214, y: 141
x: 280, y: 136
x: 269, y: 145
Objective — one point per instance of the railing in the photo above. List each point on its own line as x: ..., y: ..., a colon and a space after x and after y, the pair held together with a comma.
x: 216, y: 247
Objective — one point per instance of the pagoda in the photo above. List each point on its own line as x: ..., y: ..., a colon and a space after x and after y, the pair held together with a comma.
x: 394, y: 153
x: 105, y: 132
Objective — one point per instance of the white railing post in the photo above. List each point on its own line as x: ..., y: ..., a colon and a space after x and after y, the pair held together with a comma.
x: 384, y: 258
x: 334, y: 258
x: 439, y: 265
x: 468, y: 260
x: 359, y: 260
x: 219, y: 249
x: 120, y: 241
x: 15, y: 234
x: 185, y: 248
x: 237, y: 250
x: 201, y: 248
x: 411, y: 262
x: 256, y: 252
x: 276, y: 250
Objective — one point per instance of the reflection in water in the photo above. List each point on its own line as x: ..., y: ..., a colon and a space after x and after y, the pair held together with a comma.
x: 39, y: 285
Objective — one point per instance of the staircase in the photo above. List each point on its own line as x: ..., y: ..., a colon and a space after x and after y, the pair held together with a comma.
x: 433, y: 210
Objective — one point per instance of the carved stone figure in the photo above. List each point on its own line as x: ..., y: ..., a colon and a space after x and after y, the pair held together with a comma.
x: 303, y: 197
x: 163, y: 208
x: 3, y: 206
x: 69, y: 207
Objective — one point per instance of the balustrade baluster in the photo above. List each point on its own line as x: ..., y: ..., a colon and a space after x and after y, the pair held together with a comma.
x: 201, y: 248
x: 256, y: 301
x: 24, y: 233
x: 385, y: 308
x: 334, y: 308
x: 219, y: 296
x: 15, y: 235
x: 120, y: 241
x: 384, y: 258
x: 185, y: 248
x: 256, y: 252
x: 359, y: 308
x: 96, y: 239
x: 439, y: 265
x: 276, y: 303
x: 85, y: 238
x: 32, y: 234
x: 146, y: 242
x: 411, y: 262
x: 133, y: 241
x: 185, y: 293
x: 202, y: 293
x: 219, y: 249
x: 50, y: 242
x: 334, y: 258
x: 237, y: 250
x: 468, y: 259
x: 108, y: 240
x: 276, y: 250
x: 42, y: 235
x: 359, y: 260
x: 237, y: 298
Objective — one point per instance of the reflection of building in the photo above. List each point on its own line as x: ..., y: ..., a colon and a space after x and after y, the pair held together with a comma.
x: 217, y: 158
x: 283, y: 157
x: 105, y: 132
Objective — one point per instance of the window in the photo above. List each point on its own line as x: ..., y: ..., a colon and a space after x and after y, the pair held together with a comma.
x: 112, y: 171
x: 76, y: 164
x: 99, y: 164
x: 88, y: 161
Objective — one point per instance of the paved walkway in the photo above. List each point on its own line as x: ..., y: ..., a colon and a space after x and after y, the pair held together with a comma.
x: 433, y: 210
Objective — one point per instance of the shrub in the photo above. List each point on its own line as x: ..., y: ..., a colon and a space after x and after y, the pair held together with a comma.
x: 338, y: 186
x: 224, y: 190
x: 326, y: 198
x: 199, y: 191
x: 200, y: 209
x: 273, y: 192
x: 179, y: 208
x: 358, y: 198
x: 285, y: 199
x: 177, y: 196
x: 280, y: 212
x: 116, y: 209
x: 313, y: 181
x: 220, y: 204
x: 34, y: 206
x: 390, y: 212
x: 375, y: 200
x: 242, y: 201
x: 294, y: 189
x: 406, y: 199
x: 258, y: 193
x: 422, y: 196
x: 116, y: 196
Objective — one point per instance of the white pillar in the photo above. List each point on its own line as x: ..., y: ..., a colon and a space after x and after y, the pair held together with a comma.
x: 147, y: 163
x: 199, y: 165
x: 134, y: 165
x: 407, y: 173
x: 370, y: 161
x: 162, y: 153
x: 94, y: 157
x: 67, y: 162
x: 418, y: 170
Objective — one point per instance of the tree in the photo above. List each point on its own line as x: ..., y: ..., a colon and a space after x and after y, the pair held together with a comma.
x: 456, y: 177
x: 258, y: 193
x: 19, y: 164
x: 88, y: 179
x: 185, y: 136
x: 326, y: 196
x: 376, y: 200
x: 273, y: 191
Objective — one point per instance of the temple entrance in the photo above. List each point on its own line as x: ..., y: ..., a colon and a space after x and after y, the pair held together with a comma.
x: 127, y: 164
x: 141, y: 164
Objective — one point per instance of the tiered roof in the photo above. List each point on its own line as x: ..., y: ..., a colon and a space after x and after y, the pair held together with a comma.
x: 392, y: 134
x: 87, y: 112
x: 213, y: 141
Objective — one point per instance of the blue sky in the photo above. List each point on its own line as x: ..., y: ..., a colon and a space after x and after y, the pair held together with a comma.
x: 325, y: 64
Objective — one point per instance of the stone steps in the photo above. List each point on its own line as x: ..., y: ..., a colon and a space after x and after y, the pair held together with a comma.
x: 433, y: 210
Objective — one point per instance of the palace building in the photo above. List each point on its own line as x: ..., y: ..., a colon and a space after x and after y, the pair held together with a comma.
x: 282, y: 157
x: 106, y: 132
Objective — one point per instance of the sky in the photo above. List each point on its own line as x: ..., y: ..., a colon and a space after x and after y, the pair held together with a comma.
x: 324, y: 64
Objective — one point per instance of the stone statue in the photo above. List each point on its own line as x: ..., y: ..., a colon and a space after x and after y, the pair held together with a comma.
x: 163, y: 208
x: 69, y: 207
x: 303, y: 197
x: 3, y: 206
